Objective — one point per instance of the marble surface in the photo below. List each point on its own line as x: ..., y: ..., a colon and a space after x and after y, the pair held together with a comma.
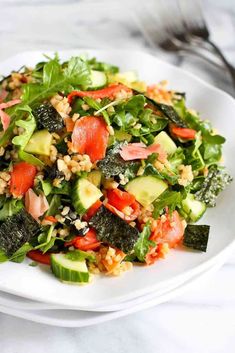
x: 201, y: 320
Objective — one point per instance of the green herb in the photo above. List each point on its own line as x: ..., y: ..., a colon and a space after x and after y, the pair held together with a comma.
x: 170, y: 199
x: 196, y: 236
x: 79, y: 255
x: 28, y: 125
x: 101, y: 66
x: 143, y: 244
x: 215, y: 182
x: 29, y: 158
x: 20, y: 254
x: 10, y: 208
x: 54, y: 204
x: 46, y: 240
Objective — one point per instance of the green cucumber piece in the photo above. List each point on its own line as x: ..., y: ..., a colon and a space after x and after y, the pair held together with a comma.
x: 98, y: 79
x: 95, y: 177
x: 193, y: 208
x: 166, y: 142
x: 84, y: 195
x: 39, y: 143
x: 68, y: 270
x: 146, y: 189
x: 124, y: 77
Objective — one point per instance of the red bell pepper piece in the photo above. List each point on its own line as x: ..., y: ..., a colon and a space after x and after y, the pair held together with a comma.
x: 22, y: 178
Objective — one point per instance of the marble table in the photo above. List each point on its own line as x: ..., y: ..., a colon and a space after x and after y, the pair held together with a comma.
x: 201, y: 320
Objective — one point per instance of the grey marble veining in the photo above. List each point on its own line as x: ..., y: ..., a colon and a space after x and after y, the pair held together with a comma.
x: 203, y: 319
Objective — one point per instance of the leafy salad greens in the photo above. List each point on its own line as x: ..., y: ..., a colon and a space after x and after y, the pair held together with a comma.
x: 100, y: 170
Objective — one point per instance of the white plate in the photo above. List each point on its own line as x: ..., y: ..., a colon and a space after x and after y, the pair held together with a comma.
x: 76, y: 318
x: 39, y: 284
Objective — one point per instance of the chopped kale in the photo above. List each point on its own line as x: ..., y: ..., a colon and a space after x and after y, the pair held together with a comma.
x: 215, y: 182
x: 113, y: 164
x: 196, y: 236
x: 48, y: 118
x: 113, y: 230
x: 16, y: 231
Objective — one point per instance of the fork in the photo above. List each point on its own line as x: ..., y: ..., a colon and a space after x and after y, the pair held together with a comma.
x: 199, y: 32
x: 174, y: 33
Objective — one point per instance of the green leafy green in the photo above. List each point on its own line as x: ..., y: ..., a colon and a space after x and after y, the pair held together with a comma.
x: 10, y: 208
x: 54, y: 204
x: 28, y: 125
x: 30, y: 158
x: 20, y: 254
x: 143, y: 244
x: 101, y: 66
x: 79, y: 255
x: 45, y: 239
x: 3, y: 256
x: 168, y: 198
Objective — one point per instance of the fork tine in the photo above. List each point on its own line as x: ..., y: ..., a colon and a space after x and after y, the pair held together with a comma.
x: 193, y: 18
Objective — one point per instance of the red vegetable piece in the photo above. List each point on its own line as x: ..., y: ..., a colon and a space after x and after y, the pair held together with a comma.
x: 22, y: 178
x: 90, y: 136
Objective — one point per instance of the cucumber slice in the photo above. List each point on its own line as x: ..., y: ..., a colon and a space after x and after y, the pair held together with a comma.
x: 193, y: 208
x: 146, y: 189
x: 128, y: 76
x: 95, y: 177
x: 98, y: 79
x: 68, y: 270
x: 166, y: 142
x: 39, y: 143
x: 84, y: 195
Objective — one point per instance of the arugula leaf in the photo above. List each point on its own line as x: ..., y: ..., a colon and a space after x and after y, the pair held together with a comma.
x: 143, y: 244
x: 196, y: 123
x: 10, y: 208
x: 29, y: 126
x: 101, y: 66
x: 215, y: 182
x: 46, y: 240
x: 54, y: 204
x: 79, y: 255
x: 55, y: 79
x: 30, y: 158
x: 3, y: 256
x: 20, y: 254
x: 170, y: 199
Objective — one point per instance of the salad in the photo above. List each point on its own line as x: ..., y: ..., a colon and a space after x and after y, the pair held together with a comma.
x: 99, y: 171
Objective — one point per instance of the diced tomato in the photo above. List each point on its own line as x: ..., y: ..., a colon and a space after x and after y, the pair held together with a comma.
x: 50, y: 219
x: 88, y: 242
x: 120, y: 199
x: 69, y: 123
x: 90, y: 136
x: 184, y: 133
x: 92, y: 210
x: 108, y: 92
x: 22, y: 178
x: 169, y: 231
x: 38, y: 256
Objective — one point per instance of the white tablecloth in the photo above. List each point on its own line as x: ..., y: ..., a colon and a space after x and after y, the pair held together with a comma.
x: 201, y: 320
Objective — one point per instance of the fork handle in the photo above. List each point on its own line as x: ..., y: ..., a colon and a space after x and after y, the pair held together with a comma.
x: 230, y: 68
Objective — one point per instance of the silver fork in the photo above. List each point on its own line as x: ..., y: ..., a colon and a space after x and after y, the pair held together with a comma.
x: 199, y: 32
x: 162, y: 30
x: 163, y: 24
